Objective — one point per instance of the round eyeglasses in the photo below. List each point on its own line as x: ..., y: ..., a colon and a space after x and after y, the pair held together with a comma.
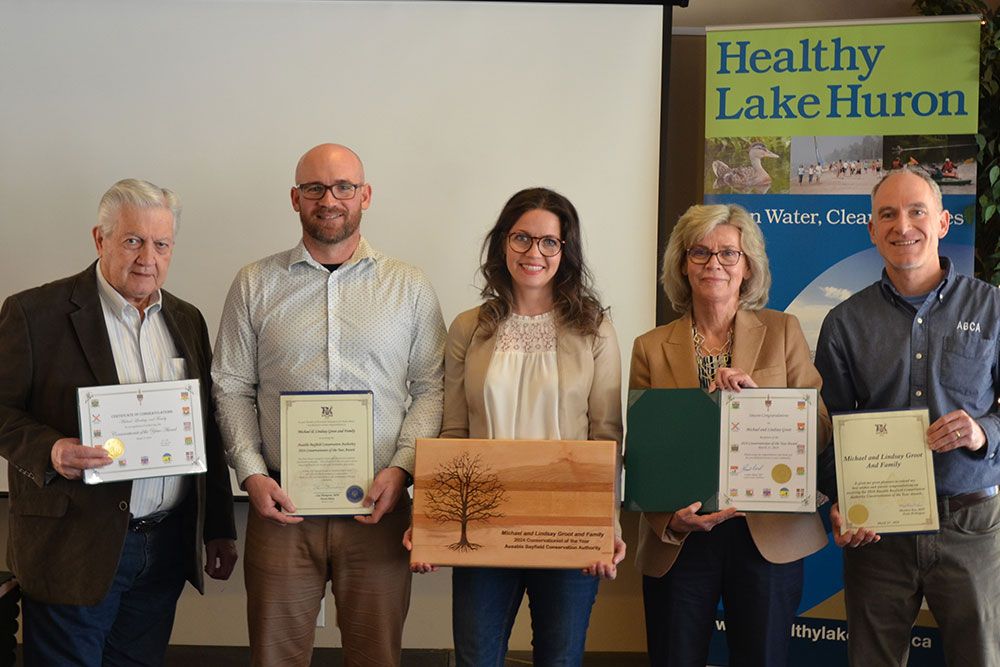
x: 342, y: 190
x: 548, y: 246
x: 726, y: 257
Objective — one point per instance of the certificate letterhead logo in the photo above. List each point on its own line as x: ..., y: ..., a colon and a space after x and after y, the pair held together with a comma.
x: 326, y: 410
x: 881, y: 430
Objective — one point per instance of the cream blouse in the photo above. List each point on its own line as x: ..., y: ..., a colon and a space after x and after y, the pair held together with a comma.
x: 521, y: 390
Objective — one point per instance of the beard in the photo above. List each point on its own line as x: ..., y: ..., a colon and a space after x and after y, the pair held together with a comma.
x: 323, y: 232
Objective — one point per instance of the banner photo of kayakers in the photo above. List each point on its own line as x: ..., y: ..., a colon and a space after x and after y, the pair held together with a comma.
x: 801, y: 122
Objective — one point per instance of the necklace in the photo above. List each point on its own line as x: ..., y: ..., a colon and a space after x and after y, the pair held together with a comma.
x: 710, y: 359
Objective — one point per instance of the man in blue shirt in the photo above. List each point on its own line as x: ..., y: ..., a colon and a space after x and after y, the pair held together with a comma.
x: 923, y: 337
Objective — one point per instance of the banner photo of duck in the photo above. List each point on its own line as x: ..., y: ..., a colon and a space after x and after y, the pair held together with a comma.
x: 801, y: 122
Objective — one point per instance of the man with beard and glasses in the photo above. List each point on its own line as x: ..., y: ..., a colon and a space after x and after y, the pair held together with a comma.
x: 332, y: 313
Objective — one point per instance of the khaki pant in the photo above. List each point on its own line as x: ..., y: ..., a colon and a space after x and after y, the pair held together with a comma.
x: 286, y: 571
x: 957, y: 569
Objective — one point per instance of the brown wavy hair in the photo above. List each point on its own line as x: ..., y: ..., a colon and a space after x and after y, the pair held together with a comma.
x: 576, y: 303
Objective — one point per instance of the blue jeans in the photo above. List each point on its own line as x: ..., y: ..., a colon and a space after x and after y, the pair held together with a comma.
x: 131, y: 625
x: 485, y: 602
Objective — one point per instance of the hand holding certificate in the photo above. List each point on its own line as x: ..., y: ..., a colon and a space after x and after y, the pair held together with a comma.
x: 885, y: 472
x: 327, y: 451
x: 148, y: 430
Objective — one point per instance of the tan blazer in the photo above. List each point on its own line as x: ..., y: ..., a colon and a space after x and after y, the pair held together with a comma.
x: 768, y: 345
x: 590, y: 397
x: 590, y: 384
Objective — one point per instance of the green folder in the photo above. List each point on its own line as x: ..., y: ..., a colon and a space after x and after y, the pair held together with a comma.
x: 672, y: 450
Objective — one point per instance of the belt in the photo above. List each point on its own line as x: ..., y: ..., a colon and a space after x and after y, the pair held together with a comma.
x: 147, y: 523
x: 963, y: 500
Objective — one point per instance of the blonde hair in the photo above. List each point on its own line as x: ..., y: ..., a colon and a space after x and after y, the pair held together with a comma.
x: 697, y: 223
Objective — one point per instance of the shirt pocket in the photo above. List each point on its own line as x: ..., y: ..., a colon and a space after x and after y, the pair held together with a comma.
x: 966, y: 361
x: 174, y: 369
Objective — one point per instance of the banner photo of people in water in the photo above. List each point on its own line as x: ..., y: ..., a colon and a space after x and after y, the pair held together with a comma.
x: 801, y: 122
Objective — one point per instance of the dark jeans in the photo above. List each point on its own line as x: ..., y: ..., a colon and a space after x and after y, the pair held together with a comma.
x: 131, y: 625
x: 760, y: 600
x: 485, y: 602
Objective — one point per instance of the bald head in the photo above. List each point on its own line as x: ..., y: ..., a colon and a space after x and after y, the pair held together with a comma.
x: 331, y: 221
x: 329, y: 157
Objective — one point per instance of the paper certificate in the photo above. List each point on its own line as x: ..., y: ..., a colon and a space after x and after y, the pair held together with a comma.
x: 768, y: 450
x: 149, y: 430
x: 885, y: 471
x: 327, y: 451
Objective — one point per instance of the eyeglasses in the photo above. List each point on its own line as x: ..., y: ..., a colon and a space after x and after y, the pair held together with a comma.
x: 548, y: 246
x: 342, y: 190
x: 726, y: 257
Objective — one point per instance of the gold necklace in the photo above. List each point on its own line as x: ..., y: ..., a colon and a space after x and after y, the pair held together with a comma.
x: 710, y: 360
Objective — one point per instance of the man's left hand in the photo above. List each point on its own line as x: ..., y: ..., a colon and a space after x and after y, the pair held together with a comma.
x: 384, y: 493
x: 953, y: 430
x: 220, y: 557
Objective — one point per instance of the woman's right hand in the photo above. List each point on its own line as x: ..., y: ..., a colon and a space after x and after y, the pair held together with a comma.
x: 419, y: 568
x: 687, y: 520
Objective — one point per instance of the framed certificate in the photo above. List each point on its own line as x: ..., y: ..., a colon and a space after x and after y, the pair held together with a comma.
x: 754, y: 450
x: 149, y: 430
x: 768, y: 450
x: 327, y: 451
x: 514, y: 503
x: 885, y: 471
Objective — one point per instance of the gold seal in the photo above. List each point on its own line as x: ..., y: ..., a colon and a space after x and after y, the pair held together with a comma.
x: 781, y: 473
x: 857, y: 514
x: 114, y: 447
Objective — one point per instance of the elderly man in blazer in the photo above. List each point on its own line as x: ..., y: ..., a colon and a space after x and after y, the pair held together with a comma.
x: 101, y: 567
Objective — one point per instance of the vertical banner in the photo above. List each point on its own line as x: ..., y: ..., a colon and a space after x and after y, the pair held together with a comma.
x: 801, y: 122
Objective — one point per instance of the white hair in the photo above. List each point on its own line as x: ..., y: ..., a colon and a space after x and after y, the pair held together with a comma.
x: 135, y: 193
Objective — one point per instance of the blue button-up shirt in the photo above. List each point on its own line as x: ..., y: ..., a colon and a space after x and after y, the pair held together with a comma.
x: 876, y: 351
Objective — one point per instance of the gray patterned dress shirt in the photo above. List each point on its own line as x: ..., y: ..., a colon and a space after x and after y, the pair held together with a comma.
x: 289, y: 324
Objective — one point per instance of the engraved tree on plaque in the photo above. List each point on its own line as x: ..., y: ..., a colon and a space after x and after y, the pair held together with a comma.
x: 464, y: 490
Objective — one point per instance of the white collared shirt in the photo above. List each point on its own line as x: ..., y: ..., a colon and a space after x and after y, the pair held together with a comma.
x: 144, y: 351
x: 289, y: 324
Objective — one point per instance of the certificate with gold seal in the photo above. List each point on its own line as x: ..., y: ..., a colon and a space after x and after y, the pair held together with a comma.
x: 149, y: 429
x: 327, y: 451
x: 768, y: 450
x: 885, y: 471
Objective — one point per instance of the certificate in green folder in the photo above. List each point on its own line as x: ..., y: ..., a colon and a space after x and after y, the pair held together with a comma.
x: 671, y: 450
x: 754, y: 450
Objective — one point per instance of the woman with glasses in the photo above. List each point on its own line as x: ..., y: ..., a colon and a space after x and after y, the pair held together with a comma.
x: 537, y: 360
x: 715, y: 273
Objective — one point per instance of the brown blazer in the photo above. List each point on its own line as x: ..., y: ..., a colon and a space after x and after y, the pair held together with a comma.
x: 768, y: 345
x: 66, y: 537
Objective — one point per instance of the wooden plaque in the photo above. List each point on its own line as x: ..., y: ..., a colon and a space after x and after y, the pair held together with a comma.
x: 514, y: 503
